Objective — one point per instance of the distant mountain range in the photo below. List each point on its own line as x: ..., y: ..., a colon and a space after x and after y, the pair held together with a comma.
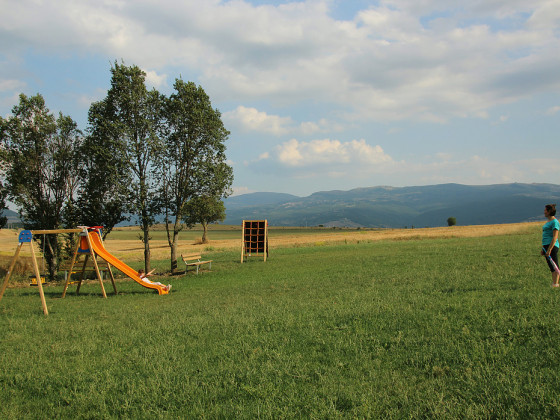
x: 390, y: 207
x: 12, y: 216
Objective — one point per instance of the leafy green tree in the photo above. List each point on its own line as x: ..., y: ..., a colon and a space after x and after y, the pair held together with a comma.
x: 105, y: 176
x: 205, y: 210
x: 451, y: 221
x: 40, y: 157
x: 193, y: 162
x: 131, y: 114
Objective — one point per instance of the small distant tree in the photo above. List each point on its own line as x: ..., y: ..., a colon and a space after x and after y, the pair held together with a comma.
x: 205, y: 210
x: 451, y: 221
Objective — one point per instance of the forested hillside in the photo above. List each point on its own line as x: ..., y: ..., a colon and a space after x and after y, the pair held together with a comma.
x: 425, y: 206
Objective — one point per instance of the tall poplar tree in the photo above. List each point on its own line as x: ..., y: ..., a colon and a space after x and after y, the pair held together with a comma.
x: 193, y: 162
x: 104, y: 180
x: 131, y: 115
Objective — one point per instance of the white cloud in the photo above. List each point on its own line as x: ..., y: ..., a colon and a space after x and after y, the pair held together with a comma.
x: 326, y: 152
x: 255, y: 120
x: 428, y: 60
x: 241, y: 190
x: 289, y: 153
x: 155, y: 80
x: 476, y: 170
x: 359, y: 164
x: 251, y: 119
x: 546, y: 15
x: 313, y: 75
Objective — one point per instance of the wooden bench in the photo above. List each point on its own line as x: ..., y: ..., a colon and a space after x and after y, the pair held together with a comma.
x: 193, y: 260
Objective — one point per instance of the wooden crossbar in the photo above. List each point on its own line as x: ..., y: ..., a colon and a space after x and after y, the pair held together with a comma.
x: 55, y: 231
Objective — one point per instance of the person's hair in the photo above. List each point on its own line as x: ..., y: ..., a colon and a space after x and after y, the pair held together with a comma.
x: 140, y: 271
x: 551, y: 209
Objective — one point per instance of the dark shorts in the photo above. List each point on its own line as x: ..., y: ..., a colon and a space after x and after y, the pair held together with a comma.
x: 553, y: 255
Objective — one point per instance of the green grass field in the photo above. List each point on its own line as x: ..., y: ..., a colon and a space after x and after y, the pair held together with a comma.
x: 455, y: 328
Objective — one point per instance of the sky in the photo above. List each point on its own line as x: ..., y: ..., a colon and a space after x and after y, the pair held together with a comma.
x: 319, y: 95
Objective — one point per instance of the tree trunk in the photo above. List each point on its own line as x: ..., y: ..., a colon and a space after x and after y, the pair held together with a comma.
x: 204, y: 231
x: 174, y: 243
x: 147, y: 254
x: 49, y: 254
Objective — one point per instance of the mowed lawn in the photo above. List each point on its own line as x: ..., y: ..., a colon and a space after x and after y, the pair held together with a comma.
x: 446, y: 328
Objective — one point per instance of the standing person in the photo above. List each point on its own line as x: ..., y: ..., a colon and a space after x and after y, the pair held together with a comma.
x: 550, y: 240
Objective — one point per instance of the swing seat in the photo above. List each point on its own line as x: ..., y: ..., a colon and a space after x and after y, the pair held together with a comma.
x: 34, y: 280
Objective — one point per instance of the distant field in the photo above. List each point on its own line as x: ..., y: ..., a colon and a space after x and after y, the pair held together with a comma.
x: 125, y: 243
x: 416, y: 325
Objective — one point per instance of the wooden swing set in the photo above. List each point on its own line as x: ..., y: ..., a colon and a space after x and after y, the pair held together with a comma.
x: 83, y: 247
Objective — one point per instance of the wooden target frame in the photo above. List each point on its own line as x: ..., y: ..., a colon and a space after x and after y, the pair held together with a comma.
x: 254, y: 239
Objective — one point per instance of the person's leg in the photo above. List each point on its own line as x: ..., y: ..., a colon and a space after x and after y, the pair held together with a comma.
x: 555, y: 279
x: 555, y: 275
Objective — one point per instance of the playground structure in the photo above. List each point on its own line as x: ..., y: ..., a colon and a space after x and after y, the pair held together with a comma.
x: 90, y: 245
x: 254, y: 239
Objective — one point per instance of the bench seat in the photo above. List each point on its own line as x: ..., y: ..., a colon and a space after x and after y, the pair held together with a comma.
x: 194, y: 260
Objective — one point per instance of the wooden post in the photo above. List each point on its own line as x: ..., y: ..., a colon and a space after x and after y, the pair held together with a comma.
x: 96, y: 266
x: 112, y: 278
x: 265, y: 244
x: 9, y: 273
x: 38, y: 277
x: 242, y: 241
x: 71, y: 268
x: 82, y: 273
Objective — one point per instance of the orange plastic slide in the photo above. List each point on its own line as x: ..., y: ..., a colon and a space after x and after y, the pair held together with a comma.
x: 100, y: 250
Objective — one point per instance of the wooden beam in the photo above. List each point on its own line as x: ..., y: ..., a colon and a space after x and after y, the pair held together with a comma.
x: 96, y: 266
x: 71, y: 267
x: 49, y: 231
x: 9, y: 273
x: 38, y: 277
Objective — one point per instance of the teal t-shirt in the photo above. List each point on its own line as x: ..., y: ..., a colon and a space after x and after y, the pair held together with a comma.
x: 547, y: 231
